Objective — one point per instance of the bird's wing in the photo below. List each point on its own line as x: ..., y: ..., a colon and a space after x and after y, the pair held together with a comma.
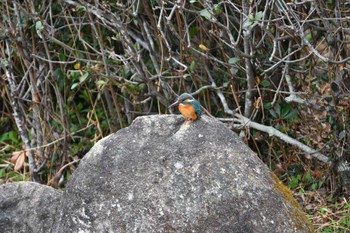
x: 197, y: 108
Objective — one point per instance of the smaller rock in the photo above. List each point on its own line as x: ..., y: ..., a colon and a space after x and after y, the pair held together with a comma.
x: 27, y: 207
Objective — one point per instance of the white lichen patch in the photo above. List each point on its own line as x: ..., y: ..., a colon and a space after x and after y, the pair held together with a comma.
x: 161, y: 213
x: 78, y: 221
x: 119, y: 208
x: 178, y: 165
x: 130, y: 196
x: 83, y: 214
x: 240, y: 192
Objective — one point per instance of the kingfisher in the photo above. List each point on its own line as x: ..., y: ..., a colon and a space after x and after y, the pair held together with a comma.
x: 189, y: 107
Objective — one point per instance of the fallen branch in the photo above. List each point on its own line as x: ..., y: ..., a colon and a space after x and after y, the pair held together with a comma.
x: 274, y: 132
x: 245, y: 122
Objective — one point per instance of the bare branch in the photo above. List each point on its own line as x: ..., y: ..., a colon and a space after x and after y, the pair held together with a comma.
x: 243, y: 121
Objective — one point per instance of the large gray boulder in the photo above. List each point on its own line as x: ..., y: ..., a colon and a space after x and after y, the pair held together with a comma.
x: 161, y: 176
x: 27, y: 207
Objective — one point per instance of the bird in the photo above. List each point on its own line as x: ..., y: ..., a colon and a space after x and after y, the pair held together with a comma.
x: 189, y: 107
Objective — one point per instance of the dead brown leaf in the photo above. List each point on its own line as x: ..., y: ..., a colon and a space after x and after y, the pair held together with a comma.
x: 19, y: 158
x: 20, y: 161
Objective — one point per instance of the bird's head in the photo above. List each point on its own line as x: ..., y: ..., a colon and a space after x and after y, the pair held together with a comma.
x: 185, y: 97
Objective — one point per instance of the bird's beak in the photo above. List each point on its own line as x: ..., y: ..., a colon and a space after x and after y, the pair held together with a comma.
x: 174, y: 104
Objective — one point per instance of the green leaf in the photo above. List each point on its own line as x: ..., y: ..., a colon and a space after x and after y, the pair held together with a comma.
x: 9, y: 136
x: 308, y: 37
x: 324, y: 210
x: 192, y: 66
x: 278, y: 109
x: 285, y: 113
x: 342, y: 135
x: 294, y: 182
x: 247, y: 23
x: 327, y: 229
x: 233, y: 71
x: 259, y: 15
x: 58, y: 74
x: 73, y: 74
x: 252, y: 18
x: 273, y: 113
x: 233, y: 60
x: 117, y: 37
x: 63, y: 57
x: 308, y: 177
x: 5, y: 62
x: 267, y: 105
x: 13, y: 136
x: 185, y: 76
x: 81, y: 9
x: 205, y: 13
x: 6, y: 148
x: 290, y: 115
x: 265, y: 83
x: 74, y: 85
x: 193, y: 31
x: 101, y: 83
x: 314, y: 186
x: 83, y: 77
x: 217, y: 9
x: 330, y: 120
x: 39, y: 26
x: 68, y: 175
x: 2, y: 173
x: 285, y: 108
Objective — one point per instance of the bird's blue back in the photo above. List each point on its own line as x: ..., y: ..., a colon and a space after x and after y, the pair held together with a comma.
x: 196, y: 105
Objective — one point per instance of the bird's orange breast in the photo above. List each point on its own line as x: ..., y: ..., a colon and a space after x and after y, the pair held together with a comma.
x: 187, y: 111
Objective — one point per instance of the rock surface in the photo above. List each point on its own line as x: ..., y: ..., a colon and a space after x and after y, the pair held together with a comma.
x: 161, y: 176
x: 27, y: 207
